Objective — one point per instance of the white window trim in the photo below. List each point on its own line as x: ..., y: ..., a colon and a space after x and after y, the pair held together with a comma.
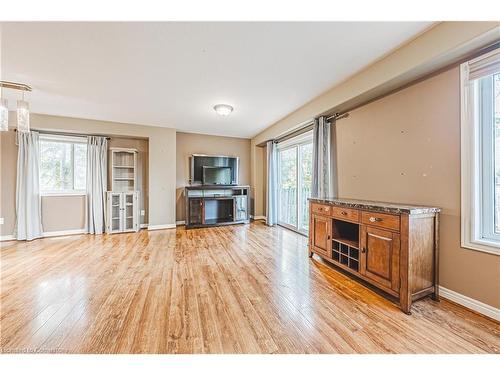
x: 471, y: 207
x: 65, y: 139
x: 63, y: 193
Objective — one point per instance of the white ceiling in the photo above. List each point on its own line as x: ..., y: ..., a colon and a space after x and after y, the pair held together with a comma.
x: 172, y: 74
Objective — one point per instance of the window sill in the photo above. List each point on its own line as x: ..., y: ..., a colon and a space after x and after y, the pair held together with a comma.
x: 63, y: 193
x: 485, y: 246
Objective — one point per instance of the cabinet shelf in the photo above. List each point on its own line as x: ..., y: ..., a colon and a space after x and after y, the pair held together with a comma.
x: 348, y: 242
x: 124, y: 169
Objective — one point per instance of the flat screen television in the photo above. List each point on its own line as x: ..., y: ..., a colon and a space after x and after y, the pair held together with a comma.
x: 216, y: 175
x: 221, y: 170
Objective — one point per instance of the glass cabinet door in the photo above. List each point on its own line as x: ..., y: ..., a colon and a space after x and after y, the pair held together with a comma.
x: 115, y: 223
x: 128, y: 211
x: 195, y: 211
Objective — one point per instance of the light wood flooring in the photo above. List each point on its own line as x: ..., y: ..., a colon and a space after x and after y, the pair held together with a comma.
x: 232, y: 289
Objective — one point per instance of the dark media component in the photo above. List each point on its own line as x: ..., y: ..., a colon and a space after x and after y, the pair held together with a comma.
x: 214, y: 170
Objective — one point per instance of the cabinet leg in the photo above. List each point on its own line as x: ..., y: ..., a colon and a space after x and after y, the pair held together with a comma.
x: 405, y: 304
x: 435, y: 295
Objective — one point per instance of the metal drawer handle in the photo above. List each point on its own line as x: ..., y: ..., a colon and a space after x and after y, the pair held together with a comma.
x: 374, y: 219
x: 344, y: 213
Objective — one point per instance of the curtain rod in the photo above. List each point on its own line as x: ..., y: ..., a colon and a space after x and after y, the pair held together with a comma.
x: 66, y: 134
x: 308, y: 126
x: 338, y: 116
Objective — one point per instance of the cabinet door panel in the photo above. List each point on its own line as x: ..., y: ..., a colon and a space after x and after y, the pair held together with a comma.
x: 380, y: 256
x: 129, y: 211
x: 321, y: 235
x: 195, y: 211
x: 241, y: 207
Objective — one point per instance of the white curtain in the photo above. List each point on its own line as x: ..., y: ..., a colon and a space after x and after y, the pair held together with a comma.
x: 272, y: 184
x: 324, y: 165
x: 28, y: 201
x: 97, y: 155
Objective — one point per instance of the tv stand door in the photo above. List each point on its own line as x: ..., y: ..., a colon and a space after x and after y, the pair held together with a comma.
x: 196, y: 211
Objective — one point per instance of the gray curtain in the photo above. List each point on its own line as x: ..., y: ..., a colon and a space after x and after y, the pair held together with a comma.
x: 324, y: 164
x: 97, y: 179
x: 28, y: 201
x: 272, y: 184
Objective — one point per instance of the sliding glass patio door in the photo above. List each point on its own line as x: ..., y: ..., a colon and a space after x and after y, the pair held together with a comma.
x: 294, y: 183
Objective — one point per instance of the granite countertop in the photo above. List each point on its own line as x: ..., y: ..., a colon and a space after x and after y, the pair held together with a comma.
x: 395, y: 208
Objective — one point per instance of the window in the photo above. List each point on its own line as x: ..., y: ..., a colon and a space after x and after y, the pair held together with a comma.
x: 480, y: 83
x: 294, y: 182
x: 63, y: 164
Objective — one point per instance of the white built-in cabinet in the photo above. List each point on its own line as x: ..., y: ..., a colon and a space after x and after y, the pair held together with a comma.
x: 122, y: 202
x: 123, y: 215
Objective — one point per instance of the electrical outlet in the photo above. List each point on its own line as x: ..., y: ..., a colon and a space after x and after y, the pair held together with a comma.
x: 1, y: 221
x: 143, y: 212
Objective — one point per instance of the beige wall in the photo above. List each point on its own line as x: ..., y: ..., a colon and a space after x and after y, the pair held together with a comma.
x: 188, y: 144
x: 62, y: 213
x: 8, y: 166
x: 160, y: 171
x: 406, y: 148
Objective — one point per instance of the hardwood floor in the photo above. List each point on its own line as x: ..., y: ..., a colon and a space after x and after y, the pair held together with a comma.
x: 232, y: 289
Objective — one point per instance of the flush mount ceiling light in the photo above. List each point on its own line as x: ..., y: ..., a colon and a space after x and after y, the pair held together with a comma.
x: 23, y: 109
x: 223, y: 109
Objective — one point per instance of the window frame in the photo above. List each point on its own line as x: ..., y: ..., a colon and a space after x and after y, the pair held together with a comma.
x: 69, y: 139
x: 294, y: 142
x: 477, y: 157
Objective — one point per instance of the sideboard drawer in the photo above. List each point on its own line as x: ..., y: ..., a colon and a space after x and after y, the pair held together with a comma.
x: 321, y: 209
x: 376, y: 219
x: 345, y: 213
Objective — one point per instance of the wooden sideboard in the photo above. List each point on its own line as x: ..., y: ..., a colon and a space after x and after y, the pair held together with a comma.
x: 391, y: 246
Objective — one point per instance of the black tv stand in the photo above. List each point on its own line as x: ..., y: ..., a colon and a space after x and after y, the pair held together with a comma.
x: 212, y: 205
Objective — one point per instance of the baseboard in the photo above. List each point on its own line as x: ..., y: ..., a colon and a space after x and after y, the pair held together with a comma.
x: 161, y: 226
x: 258, y: 217
x: 142, y: 226
x: 475, y: 305
x: 69, y: 232
x: 180, y: 222
x: 8, y: 237
x: 57, y: 233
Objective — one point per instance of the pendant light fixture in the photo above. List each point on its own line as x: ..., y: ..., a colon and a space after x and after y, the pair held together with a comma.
x: 23, y: 108
x: 4, y: 115
x: 23, y: 115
